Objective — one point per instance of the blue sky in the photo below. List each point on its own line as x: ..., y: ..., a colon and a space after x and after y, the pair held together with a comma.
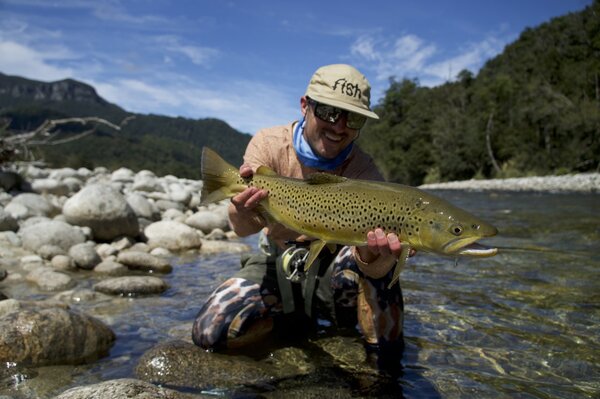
x: 248, y: 62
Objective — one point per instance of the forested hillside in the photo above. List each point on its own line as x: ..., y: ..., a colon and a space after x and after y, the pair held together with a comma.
x: 534, y: 109
x: 162, y: 144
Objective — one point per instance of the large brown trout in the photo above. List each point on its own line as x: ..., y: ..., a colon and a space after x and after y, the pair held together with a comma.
x: 337, y: 210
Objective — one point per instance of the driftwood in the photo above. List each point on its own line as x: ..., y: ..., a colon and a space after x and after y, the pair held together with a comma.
x: 48, y: 134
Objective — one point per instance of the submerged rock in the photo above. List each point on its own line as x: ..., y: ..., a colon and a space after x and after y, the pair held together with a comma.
x: 123, y: 388
x: 132, y: 285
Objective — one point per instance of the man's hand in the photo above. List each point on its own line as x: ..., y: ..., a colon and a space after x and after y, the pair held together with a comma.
x: 243, y: 216
x: 380, y: 254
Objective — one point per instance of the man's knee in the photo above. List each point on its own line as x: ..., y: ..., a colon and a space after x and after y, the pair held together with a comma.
x: 235, y: 301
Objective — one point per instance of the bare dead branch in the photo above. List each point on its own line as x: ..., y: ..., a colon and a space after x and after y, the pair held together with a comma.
x: 45, y: 134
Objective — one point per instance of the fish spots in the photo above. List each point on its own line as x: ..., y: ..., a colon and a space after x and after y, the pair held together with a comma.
x: 346, y: 212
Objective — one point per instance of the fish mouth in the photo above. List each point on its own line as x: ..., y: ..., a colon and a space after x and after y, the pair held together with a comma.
x: 468, y: 247
x: 477, y: 250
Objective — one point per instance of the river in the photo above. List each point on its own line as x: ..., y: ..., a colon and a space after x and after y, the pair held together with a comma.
x: 525, y: 323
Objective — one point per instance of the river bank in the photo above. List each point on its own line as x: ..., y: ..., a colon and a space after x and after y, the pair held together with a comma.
x: 572, y: 183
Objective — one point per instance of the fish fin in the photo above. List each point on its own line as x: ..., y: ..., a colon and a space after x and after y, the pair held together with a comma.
x: 315, y: 249
x: 220, y: 180
x: 332, y: 247
x: 265, y: 171
x: 400, y: 265
x: 324, y: 178
x: 265, y: 213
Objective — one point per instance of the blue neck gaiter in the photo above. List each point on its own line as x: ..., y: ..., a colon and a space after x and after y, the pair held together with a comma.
x: 307, y: 155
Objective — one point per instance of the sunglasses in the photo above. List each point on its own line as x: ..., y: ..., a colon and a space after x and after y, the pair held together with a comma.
x: 331, y: 114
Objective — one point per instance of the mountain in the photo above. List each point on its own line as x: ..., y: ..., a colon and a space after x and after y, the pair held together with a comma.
x: 165, y: 145
x: 532, y: 110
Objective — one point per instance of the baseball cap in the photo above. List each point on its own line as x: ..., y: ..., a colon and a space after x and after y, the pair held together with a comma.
x: 342, y: 86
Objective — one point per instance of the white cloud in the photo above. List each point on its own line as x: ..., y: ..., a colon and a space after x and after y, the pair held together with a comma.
x: 410, y: 56
x: 18, y: 59
x: 199, y: 55
x: 247, y: 106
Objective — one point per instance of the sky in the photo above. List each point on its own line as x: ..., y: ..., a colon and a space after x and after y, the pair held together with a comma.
x: 248, y: 62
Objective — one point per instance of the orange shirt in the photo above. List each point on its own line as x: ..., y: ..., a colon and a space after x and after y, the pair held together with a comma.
x: 273, y: 147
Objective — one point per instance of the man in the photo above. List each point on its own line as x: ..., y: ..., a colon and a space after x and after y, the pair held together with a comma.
x: 345, y: 288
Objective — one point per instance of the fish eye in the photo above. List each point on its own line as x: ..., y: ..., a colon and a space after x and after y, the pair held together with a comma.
x: 456, y: 229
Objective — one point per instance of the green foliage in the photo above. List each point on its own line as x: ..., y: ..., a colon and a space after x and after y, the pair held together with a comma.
x: 538, y: 103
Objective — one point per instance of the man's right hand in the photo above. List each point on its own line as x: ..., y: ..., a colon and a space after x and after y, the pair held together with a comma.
x: 248, y: 199
x: 244, y: 218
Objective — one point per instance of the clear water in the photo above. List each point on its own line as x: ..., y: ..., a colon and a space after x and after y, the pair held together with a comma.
x: 525, y: 323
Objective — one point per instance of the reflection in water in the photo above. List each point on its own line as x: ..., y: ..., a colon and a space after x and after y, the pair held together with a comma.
x: 525, y: 323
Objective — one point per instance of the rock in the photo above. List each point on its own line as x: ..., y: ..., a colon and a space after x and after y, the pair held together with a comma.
x: 123, y: 388
x: 7, y: 221
x: 131, y: 285
x: 122, y: 175
x: 104, y: 210
x: 51, y: 336
x: 53, y: 232
x: 164, y: 205
x: 105, y: 250
x: 121, y: 243
x: 81, y: 296
x: 63, y: 173
x: 215, y: 247
x: 63, y: 263
x: 174, y: 236
x: 50, y: 186
x: 111, y: 267
x: 144, y: 261
x: 162, y: 252
x: 142, y: 207
x: 207, y: 221
x: 34, y: 204
x: 49, y: 251
x: 74, y: 184
x: 179, y: 193
x: 10, y: 180
x: 178, y: 363
x: 216, y: 234
x: 174, y: 214
x: 147, y: 181
x: 49, y: 280
x: 84, y: 255
x: 10, y: 238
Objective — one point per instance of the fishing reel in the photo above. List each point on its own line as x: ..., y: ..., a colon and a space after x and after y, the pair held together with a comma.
x: 293, y: 260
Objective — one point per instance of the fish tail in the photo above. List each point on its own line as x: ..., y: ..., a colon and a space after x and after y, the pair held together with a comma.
x: 220, y: 180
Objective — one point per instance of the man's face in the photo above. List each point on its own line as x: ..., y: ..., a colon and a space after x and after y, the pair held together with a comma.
x: 326, y: 139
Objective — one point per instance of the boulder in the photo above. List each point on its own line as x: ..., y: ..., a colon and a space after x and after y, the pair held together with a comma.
x: 142, y: 207
x: 174, y: 236
x: 34, y: 204
x: 50, y: 186
x: 7, y: 221
x: 52, y: 232
x: 84, y: 255
x: 207, y: 221
x: 104, y: 210
x: 123, y: 388
x: 41, y: 336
